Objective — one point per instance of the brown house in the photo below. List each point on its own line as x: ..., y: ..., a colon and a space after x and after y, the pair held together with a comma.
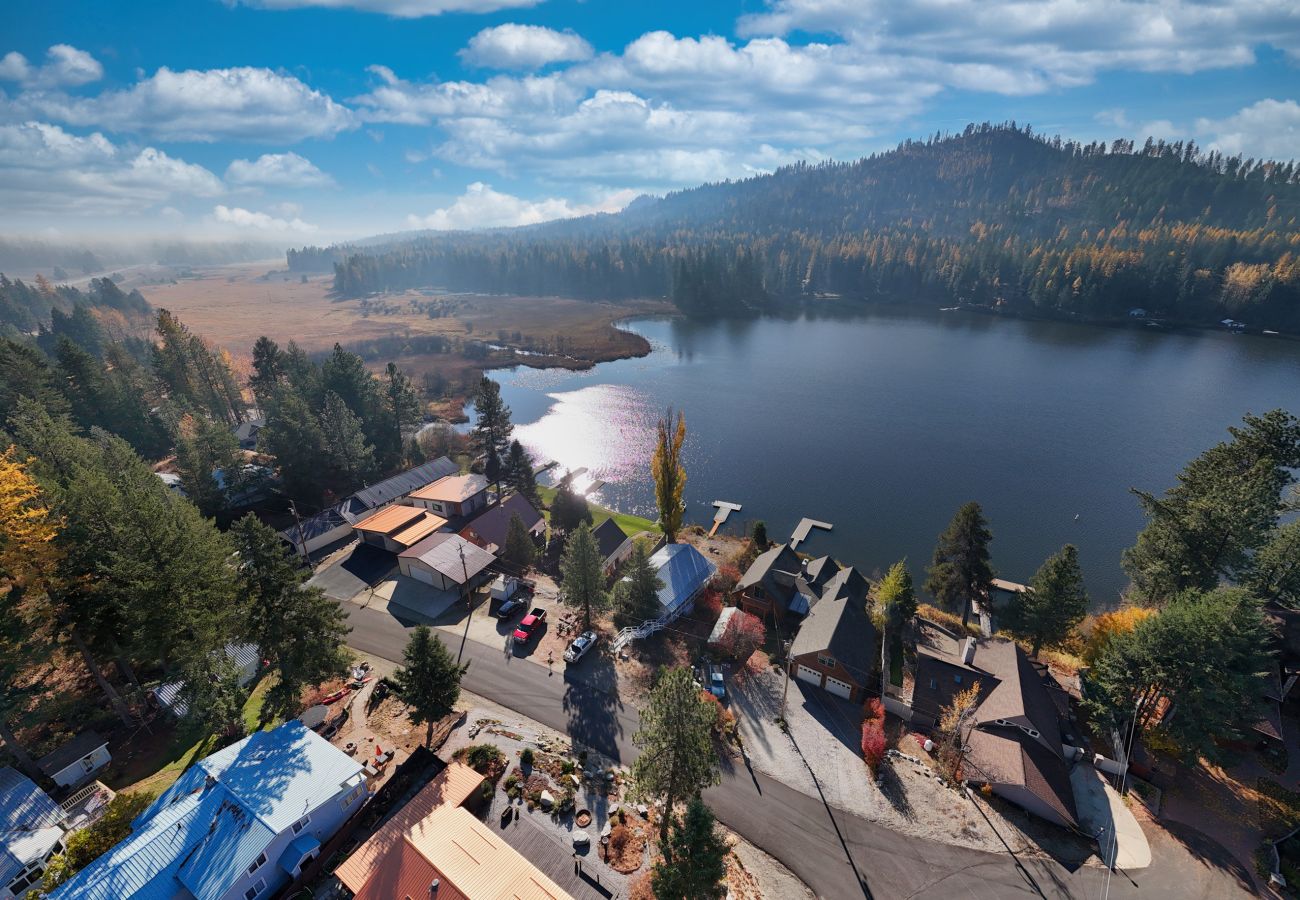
x: 777, y: 584
x: 1013, y: 739
x: 837, y: 648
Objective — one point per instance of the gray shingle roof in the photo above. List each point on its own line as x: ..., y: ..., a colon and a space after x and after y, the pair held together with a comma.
x: 609, y: 537
x: 74, y: 750
x: 492, y: 525
x: 404, y: 482
x: 839, y: 624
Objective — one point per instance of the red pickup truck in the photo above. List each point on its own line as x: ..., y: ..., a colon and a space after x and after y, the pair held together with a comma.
x: 531, y: 624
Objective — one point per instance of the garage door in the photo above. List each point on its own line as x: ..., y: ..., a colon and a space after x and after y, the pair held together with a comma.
x: 812, y: 676
x: 421, y: 574
x: 839, y: 688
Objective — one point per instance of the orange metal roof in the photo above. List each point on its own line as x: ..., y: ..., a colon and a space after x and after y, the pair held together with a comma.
x: 420, y: 530
x: 452, y: 488
x: 390, y: 519
x: 451, y: 788
x: 434, y: 837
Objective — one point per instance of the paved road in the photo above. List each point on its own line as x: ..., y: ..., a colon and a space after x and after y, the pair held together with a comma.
x: 836, y: 854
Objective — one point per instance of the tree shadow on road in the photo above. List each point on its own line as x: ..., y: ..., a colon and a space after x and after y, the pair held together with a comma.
x: 592, y: 704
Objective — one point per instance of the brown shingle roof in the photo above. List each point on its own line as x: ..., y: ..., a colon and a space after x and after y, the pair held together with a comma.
x: 1009, y: 756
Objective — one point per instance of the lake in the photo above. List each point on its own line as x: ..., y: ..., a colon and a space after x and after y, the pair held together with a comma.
x: 884, y: 424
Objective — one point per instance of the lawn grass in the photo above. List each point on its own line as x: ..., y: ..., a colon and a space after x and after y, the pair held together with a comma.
x: 631, y: 525
x: 187, y: 744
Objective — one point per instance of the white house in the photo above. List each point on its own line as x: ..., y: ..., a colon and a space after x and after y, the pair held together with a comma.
x: 455, y: 496
x: 238, y: 825
x: 76, y: 761
x: 31, y: 833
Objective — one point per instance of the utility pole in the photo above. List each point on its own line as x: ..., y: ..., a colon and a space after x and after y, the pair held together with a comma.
x: 469, y: 601
x: 302, y: 543
x: 785, y: 652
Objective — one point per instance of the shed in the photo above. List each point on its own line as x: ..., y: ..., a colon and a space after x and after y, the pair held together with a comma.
x: 436, y: 560
x: 685, y: 574
x: 720, y: 626
x: 245, y: 657
x: 77, y: 760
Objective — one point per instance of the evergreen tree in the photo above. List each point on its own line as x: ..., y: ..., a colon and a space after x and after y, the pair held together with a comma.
x: 402, y: 406
x: 669, y: 475
x: 1053, y: 605
x: 960, y: 573
x: 636, y: 596
x: 492, y: 428
x: 350, y: 458
x: 296, y: 627
x: 520, y: 551
x: 268, y: 369
x: 568, y: 510
x: 677, y: 759
x: 203, y: 449
x: 293, y: 436
x: 429, y: 682
x: 892, y: 605
x: 518, y: 474
x: 345, y: 374
x: 758, y: 534
x: 24, y: 372
x: 302, y: 375
x: 583, y: 573
x: 1275, y: 570
x: 694, y: 864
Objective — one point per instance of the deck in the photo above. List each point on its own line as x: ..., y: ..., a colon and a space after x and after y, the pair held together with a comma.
x: 802, y: 530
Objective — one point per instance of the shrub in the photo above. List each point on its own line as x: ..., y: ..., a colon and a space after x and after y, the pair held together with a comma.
x: 743, y: 635
x: 874, y: 709
x: 619, y: 835
x: 710, y: 605
x: 483, y: 757
x: 724, y: 722
x: 527, y: 756
x: 724, y: 581
x: 873, y: 745
x: 87, y: 845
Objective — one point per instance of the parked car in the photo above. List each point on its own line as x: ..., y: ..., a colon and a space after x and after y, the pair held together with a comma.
x: 509, y: 607
x: 717, y: 684
x: 531, y: 624
x: 581, y: 644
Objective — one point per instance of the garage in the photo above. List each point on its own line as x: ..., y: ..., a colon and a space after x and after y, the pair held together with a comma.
x: 839, y: 688
x: 812, y: 676
x: 421, y: 574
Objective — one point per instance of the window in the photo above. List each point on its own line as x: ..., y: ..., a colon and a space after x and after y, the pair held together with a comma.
x: 88, y: 764
x: 256, y: 890
x: 934, y: 684
x: 351, y: 796
x: 957, y: 678
x: 298, y: 826
x: 826, y: 660
x: 257, y: 863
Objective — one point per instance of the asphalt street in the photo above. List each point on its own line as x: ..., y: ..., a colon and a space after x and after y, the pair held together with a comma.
x: 836, y: 854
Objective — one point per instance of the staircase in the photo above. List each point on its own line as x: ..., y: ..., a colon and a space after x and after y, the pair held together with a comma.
x: 644, y: 630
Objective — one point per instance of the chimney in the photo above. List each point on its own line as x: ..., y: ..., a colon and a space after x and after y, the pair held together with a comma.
x: 433, y: 888
x: 968, y: 651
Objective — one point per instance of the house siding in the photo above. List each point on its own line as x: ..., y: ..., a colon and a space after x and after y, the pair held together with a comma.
x: 75, y: 773
x: 440, y: 581
x: 857, y: 693
x: 1024, y: 798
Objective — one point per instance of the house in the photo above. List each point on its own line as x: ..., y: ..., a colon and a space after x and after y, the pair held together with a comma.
x: 685, y: 574
x: 247, y: 660
x: 446, y: 561
x: 397, y: 528
x: 779, y: 584
x: 238, y: 825
x: 837, y: 648
x: 435, y: 848
x: 173, y: 481
x: 246, y: 433
x: 31, y: 833
x: 76, y: 761
x: 454, y: 497
x: 1013, y: 738
x: 614, y: 545
x: 335, y: 523
x: 490, y: 528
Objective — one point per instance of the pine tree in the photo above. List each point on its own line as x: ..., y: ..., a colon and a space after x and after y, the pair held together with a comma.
x: 518, y: 474
x: 293, y: 436
x: 296, y: 627
x: 520, y: 551
x: 24, y: 372
x: 669, y: 475
x: 677, y: 759
x: 583, y: 574
x: 350, y: 458
x: 694, y: 864
x: 429, y: 682
x: 268, y: 369
x: 492, y: 428
x: 203, y: 449
x: 960, y: 573
x: 402, y: 407
x: 1275, y: 570
x: 636, y: 597
x: 568, y: 510
x: 1054, y: 603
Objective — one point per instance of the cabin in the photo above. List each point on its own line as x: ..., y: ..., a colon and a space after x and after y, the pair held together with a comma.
x: 453, y: 497
x: 685, y: 573
x: 780, y: 585
x: 613, y: 544
x: 76, y: 762
x: 489, y: 529
x: 837, y: 648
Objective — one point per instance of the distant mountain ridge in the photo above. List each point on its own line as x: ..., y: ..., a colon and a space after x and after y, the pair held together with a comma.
x: 996, y: 216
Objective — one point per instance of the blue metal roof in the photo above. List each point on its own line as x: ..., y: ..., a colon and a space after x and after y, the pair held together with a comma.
x: 297, y: 849
x: 684, y: 572
x: 24, y: 808
x: 207, y: 828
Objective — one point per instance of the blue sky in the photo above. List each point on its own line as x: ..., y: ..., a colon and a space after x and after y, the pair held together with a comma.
x: 314, y: 120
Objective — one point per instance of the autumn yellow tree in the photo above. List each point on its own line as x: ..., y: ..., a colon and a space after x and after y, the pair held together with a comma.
x: 1109, y: 625
x: 952, y: 730
x: 670, y: 477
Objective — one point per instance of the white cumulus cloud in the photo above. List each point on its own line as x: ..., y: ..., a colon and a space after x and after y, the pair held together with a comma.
x: 513, y: 46
x: 401, y: 9
x: 1268, y: 129
x: 248, y: 219
x: 250, y: 104
x: 482, y: 207
x: 277, y: 170
x: 64, y: 66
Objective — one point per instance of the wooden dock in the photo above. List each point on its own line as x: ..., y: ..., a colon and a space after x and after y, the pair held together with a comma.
x: 725, y: 509
x: 803, y: 528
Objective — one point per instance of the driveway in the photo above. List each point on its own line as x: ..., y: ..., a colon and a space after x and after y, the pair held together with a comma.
x: 835, y: 853
x: 1103, y: 813
x: 353, y: 574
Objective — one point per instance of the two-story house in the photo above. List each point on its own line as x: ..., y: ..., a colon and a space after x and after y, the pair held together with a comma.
x: 453, y: 497
x: 780, y: 584
x: 837, y: 648
x: 238, y: 825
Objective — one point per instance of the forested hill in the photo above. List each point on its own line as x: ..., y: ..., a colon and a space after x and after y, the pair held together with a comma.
x: 996, y: 216
x: 41, y: 306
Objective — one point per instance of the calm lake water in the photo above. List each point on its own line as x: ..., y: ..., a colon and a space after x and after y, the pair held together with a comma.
x: 883, y: 425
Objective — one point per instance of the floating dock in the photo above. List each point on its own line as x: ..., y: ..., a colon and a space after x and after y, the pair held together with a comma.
x: 803, y: 528
x: 544, y: 466
x: 725, y: 509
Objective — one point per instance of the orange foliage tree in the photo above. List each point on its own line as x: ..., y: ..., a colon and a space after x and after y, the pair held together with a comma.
x: 1107, y: 626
